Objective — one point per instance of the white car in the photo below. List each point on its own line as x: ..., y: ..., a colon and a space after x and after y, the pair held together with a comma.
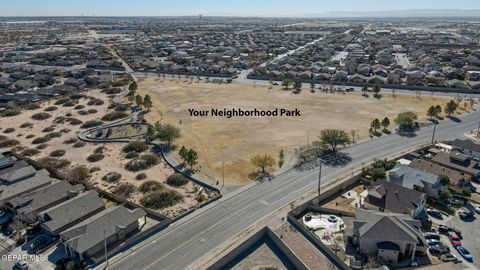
x: 477, y: 209
x: 21, y: 264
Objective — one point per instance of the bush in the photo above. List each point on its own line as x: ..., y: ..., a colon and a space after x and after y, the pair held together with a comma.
x: 30, y: 152
x: 78, y: 175
x: 8, y: 130
x: 70, y: 103
x: 41, y: 116
x: 79, y: 144
x: 42, y: 146
x: 11, y: 112
x: 142, y: 163
x: 70, y: 141
x: 61, y: 101
x: 112, y: 91
x: 92, y: 123
x: 79, y: 107
x: 52, y: 135
x: 92, y: 111
x: 51, y: 108
x: 74, y: 121
x: 8, y: 143
x: 40, y: 140
x: 135, y: 147
x: 57, y: 153
x: 131, y: 155
x: 54, y: 163
x: 150, y: 186
x: 112, y: 177
x: 95, y: 157
x: 160, y: 199
x: 48, y: 129
x: 65, y: 130
x: 82, y: 112
x: 94, y: 169
x: 3, y: 137
x: 141, y: 176
x: 29, y: 136
x: 124, y: 190
x: 32, y: 106
x: 122, y: 107
x: 114, y: 116
x: 26, y: 125
x: 95, y: 102
x: 99, y: 150
x: 177, y: 180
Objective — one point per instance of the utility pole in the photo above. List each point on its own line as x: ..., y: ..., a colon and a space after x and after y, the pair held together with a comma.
x: 433, y: 135
x: 319, y: 181
x: 223, y: 175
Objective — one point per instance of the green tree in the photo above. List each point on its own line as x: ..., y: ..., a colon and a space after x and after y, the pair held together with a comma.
x: 130, y: 97
x: 385, y: 123
x: 298, y: 86
x: 191, y: 158
x: 281, y: 158
x: 332, y: 138
x: 150, y: 133
x: 139, y: 101
x: 376, y: 90
x: 147, y: 102
x: 375, y: 125
x: 133, y: 87
x: 438, y: 110
x: 444, y: 180
x: 431, y: 112
x: 365, y: 89
x: 263, y: 162
x: 286, y: 83
x: 183, y: 153
x: 406, y: 120
x: 167, y: 133
x: 312, y: 86
x: 445, y: 193
x: 451, y: 107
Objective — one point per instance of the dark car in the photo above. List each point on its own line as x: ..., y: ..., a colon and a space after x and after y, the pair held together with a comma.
x: 429, y: 235
x: 455, y: 230
x: 464, y: 253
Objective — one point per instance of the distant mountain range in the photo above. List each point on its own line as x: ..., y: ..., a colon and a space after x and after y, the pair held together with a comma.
x: 411, y: 13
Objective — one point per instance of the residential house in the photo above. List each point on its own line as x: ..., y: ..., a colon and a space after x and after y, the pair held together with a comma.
x: 456, y: 177
x: 412, y: 178
x: 458, y: 161
x: 113, y: 225
x: 388, y: 197
x: 391, y: 237
x: 10, y: 191
x: 65, y: 215
x: 467, y: 147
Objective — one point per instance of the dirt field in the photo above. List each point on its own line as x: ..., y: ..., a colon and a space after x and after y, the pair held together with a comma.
x: 114, y: 160
x: 237, y: 139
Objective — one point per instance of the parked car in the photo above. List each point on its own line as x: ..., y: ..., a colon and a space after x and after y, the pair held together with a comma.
x: 455, y: 230
x: 434, y: 213
x: 21, y: 264
x: 432, y: 242
x: 464, y: 253
x: 443, y: 229
x: 439, y: 249
x: 465, y: 213
x: 429, y: 235
x: 448, y: 258
x: 454, y: 239
x: 477, y: 209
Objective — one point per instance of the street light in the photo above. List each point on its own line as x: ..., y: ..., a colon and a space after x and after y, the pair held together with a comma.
x: 434, y: 129
x: 320, y: 179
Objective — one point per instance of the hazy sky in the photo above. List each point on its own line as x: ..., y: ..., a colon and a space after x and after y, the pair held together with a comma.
x: 215, y: 7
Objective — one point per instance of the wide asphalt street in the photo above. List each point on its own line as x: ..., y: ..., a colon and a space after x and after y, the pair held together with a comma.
x: 189, y: 239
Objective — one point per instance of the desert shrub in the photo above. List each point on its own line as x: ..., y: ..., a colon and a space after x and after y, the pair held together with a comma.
x: 94, y: 169
x: 112, y: 116
x: 74, y: 121
x: 142, y: 162
x: 95, y: 157
x: 65, y: 130
x: 57, y: 153
x: 68, y: 114
x: 52, y: 135
x: 71, y: 140
x: 82, y: 112
x: 11, y: 112
x: 92, y: 111
x: 78, y: 175
x: 125, y: 190
x: 59, y: 120
x: 141, y: 176
x: 29, y: 136
x: 32, y: 106
x: 61, y: 101
x: 99, y: 150
x: 8, y: 130
x: 135, y: 147
x: 30, y: 152
x: 19, y: 134
x: 79, y: 107
x: 51, y: 108
x: 95, y: 102
x: 112, y: 177
x: 54, y: 163
x: 112, y: 91
x: 41, y: 116
x: 48, y: 129
x: 8, y: 143
x: 42, y: 146
x: 122, y: 107
x: 92, y: 123
x: 70, y: 103
x: 150, y: 186
x: 3, y: 137
x: 77, y: 96
x: 18, y: 148
x: 79, y: 144
x: 131, y: 155
x: 160, y: 199
x: 177, y: 180
x: 26, y: 125
x: 40, y: 140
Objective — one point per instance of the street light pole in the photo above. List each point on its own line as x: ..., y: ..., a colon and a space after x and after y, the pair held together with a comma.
x: 319, y: 180
x: 223, y: 175
x: 433, y: 135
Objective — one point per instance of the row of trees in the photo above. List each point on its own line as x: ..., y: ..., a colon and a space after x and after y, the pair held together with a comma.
x: 188, y: 156
x: 435, y: 111
x: 166, y: 133
x: 376, y: 90
x: 377, y: 124
x: 141, y: 102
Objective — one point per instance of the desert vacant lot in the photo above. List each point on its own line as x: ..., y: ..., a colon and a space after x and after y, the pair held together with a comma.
x: 236, y: 140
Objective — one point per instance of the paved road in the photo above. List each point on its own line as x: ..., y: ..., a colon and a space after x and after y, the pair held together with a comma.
x: 192, y: 238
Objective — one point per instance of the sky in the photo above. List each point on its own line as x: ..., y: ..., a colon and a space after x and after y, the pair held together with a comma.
x: 215, y: 7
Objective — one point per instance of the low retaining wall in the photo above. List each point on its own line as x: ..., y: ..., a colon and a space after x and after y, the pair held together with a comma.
x: 264, y: 232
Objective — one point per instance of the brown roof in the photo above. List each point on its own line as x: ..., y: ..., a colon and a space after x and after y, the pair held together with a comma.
x: 393, y: 198
x: 457, y: 161
x: 456, y: 177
